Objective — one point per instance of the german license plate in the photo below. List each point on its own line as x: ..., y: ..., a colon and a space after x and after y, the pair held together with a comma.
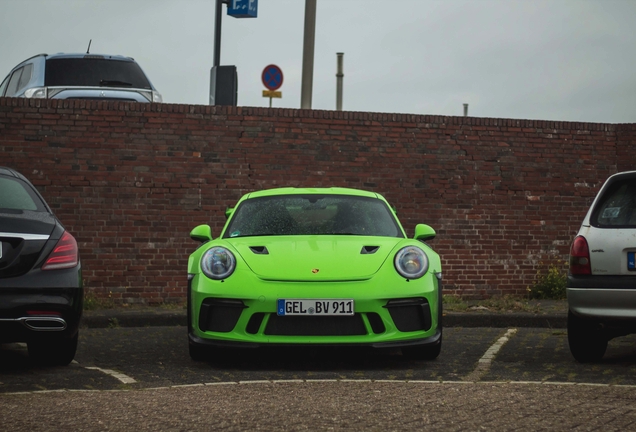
x: 320, y: 307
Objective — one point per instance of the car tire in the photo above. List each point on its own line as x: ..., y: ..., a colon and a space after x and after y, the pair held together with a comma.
x: 586, y: 339
x: 53, y: 351
x: 423, y: 352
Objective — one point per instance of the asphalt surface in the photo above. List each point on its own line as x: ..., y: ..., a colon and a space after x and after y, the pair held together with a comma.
x: 132, y: 371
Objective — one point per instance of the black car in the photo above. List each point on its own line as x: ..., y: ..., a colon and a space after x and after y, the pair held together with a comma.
x: 41, y: 292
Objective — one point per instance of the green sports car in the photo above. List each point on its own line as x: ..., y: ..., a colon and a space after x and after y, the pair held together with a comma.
x: 329, y: 267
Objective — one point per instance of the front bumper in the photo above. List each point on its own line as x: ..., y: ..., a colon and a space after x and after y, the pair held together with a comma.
x: 410, y: 316
x: 431, y: 340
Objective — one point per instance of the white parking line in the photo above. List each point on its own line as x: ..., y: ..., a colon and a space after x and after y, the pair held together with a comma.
x: 484, y: 363
x: 120, y: 376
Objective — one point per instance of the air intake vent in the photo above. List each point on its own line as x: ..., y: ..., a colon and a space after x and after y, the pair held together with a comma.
x: 367, y: 250
x: 220, y: 315
x: 259, y: 250
x: 410, y: 314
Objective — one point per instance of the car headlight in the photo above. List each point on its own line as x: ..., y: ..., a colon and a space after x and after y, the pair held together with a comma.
x: 156, y: 97
x: 218, y: 263
x: 411, y: 262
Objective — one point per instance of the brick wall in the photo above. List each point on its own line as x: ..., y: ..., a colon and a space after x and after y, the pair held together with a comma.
x: 131, y: 180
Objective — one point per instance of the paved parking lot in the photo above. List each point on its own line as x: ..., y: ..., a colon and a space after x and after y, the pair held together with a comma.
x: 158, y: 356
x: 492, y: 378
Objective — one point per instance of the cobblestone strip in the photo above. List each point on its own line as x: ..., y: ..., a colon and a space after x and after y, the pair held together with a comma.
x: 329, y: 381
x: 341, y: 406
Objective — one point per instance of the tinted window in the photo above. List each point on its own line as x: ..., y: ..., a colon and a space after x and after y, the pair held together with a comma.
x: 617, y: 206
x: 15, y: 195
x: 92, y: 72
x: 313, y: 215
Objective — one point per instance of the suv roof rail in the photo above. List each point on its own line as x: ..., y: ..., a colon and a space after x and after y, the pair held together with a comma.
x: 32, y: 57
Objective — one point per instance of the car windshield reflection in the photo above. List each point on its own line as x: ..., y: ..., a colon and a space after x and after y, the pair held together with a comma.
x: 313, y: 215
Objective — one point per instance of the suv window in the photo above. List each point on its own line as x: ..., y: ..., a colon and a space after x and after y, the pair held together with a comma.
x: 3, y: 86
x: 94, y: 72
x: 16, y: 196
x: 27, y: 72
x: 617, y: 206
x: 12, y: 88
x: 19, y: 79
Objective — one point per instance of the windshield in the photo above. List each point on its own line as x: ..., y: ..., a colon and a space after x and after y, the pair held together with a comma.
x: 94, y: 72
x: 313, y: 215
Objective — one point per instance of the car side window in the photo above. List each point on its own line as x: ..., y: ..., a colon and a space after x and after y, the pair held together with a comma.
x: 14, y: 81
x: 19, y: 79
x: 3, y: 86
x: 27, y: 72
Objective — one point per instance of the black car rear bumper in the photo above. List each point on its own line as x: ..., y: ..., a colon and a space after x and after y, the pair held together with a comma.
x: 31, y: 313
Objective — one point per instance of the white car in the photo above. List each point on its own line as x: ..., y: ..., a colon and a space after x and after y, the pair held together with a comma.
x: 601, y: 286
x: 80, y: 76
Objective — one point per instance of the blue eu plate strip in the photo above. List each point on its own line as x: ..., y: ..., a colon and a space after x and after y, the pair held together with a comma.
x: 631, y: 261
x: 281, y: 306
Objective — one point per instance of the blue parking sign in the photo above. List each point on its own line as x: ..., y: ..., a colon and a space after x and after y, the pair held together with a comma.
x: 242, y: 8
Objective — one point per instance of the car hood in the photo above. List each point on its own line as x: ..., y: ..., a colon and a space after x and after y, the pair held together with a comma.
x: 314, y: 258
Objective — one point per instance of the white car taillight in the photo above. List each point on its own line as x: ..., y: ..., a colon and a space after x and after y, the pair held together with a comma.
x: 580, y: 257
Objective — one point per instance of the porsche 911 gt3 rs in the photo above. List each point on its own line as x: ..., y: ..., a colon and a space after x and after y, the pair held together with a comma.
x: 321, y: 266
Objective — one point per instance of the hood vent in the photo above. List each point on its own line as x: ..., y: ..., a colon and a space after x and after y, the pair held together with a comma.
x: 367, y: 250
x: 259, y: 250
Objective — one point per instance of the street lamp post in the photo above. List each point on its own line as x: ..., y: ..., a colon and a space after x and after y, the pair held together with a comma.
x: 339, y: 77
x: 308, y: 54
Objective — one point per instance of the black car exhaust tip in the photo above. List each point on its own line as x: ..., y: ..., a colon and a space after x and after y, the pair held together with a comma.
x: 43, y: 323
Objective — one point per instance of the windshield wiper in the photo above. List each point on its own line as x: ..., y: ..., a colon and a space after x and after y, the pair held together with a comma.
x: 114, y: 83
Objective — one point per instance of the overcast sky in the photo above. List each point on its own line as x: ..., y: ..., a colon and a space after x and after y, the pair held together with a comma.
x: 570, y: 60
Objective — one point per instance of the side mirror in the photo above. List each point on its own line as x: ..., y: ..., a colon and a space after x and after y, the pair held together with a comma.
x: 202, y: 233
x: 424, y: 232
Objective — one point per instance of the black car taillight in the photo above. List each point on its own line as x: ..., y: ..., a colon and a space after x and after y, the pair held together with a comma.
x: 64, y: 254
x: 580, y: 257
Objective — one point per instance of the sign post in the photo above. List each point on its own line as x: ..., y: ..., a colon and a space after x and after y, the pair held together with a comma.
x: 272, y: 78
x: 225, y: 77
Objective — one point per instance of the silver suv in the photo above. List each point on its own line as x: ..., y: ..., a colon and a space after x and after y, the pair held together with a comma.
x: 79, y: 76
x: 601, y: 286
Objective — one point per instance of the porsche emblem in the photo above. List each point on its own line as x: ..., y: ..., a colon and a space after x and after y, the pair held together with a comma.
x: 314, y: 271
